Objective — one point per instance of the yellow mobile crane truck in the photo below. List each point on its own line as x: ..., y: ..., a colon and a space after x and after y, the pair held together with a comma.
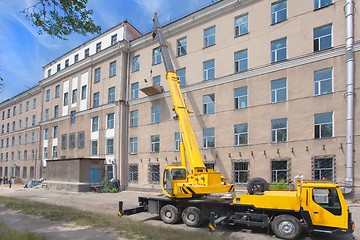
x: 189, y: 189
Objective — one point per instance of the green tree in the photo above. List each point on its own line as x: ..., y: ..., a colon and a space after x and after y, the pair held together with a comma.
x: 60, y: 18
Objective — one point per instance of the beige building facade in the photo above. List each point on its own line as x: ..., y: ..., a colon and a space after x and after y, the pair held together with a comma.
x: 266, y: 81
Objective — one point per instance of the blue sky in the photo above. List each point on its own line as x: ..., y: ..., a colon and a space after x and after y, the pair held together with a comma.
x: 23, y: 52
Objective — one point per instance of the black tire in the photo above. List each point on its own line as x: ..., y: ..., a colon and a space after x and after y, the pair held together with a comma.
x: 286, y: 227
x: 257, y: 185
x: 191, y: 216
x: 169, y: 214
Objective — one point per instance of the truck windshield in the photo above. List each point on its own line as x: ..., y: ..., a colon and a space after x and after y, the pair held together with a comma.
x: 178, y: 173
x: 328, y: 198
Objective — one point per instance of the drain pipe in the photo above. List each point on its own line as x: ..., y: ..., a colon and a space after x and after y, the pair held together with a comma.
x: 349, y: 17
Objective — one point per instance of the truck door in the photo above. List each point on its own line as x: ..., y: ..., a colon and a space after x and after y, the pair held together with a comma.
x: 167, y: 183
x: 326, y: 208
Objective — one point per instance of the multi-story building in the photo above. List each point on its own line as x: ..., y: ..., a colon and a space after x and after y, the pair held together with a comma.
x: 266, y: 81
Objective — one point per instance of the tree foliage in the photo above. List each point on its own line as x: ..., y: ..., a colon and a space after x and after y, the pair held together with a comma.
x: 60, y: 18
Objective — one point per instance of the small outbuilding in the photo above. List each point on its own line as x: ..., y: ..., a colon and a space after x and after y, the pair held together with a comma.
x: 75, y: 174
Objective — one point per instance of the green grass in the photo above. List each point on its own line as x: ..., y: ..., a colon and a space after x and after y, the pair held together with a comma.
x: 12, y: 234
x: 280, y: 185
x: 125, y: 227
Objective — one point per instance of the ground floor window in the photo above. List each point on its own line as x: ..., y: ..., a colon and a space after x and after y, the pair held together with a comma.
x: 241, y: 172
x: 133, y: 173
x: 109, y: 174
x: 24, y: 172
x: 324, y: 168
x: 210, y: 165
x: 32, y: 172
x: 279, y: 171
x: 154, y: 173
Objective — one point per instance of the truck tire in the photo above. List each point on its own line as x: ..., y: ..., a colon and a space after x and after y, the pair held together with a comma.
x: 286, y: 227
x: 257, y: 185
x: 191, y: 216
x: 169, y: 214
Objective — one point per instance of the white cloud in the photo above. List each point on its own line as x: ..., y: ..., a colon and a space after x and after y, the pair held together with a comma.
x: 159, y: 6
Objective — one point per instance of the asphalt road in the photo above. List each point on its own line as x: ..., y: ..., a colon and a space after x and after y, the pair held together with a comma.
x: 108, y: 203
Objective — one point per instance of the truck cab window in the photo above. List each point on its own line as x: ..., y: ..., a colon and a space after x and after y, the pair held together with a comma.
x: 328, y: 199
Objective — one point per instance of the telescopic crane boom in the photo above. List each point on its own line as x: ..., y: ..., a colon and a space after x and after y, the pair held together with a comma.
x: 191, y: 178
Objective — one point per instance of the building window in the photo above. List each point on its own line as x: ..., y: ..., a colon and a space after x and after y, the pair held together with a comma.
x: 182, y: 76
x: 133, y: 173
x: 134, y: 118
x: 49, y: 72
x: 74, y: 96
x: 24, y: 175
x: 241, y: 61
x: 97, y: 75
x: 47, y: 116
x: 279, y: 171
x: 241, y: 25
x: 47, y: 98
x: 46, y: 134
x: 181, y: 45
x: 241, y: 134
x: 324, y: 169
x: 56, y: 111
x: 323, y: 125
x: 45, y: 153
x: 155, y: 114
x: 113, y: 39
x: 110, y: 121
x: 156, y: 80
x: 241, y: 172
x: 20, y: 110
x: 20, y: 126
x: 278, y: 90
x: 240, y: 98
x: 155, y: 143
x: 76, y: 58
x: 72, y: 117
x: 208, y: 138
x: 136, y: 63
x: 156, y: 59
x: 111, y: 95
x: 71, y: 140
x: 83, y: 92
x: 55, y: 132
x: 55, y: 152
x: 133, y: 145
x: 209, y: 69
x: 66, y: 63
x: 98, y: 47
x: 112, y: 69
x: 134, y: 90
x: 58, y: 67
x: 86, y: 52
x: 154, y: 173
x: 95, y: 124
x: 177, y: 141
x: 321, y: 3
x: 27, y: 106
x: 34, y: 104
x: 94, y: 147
x: 96, y: 99
x: 33, y: 137
x: 57, y: 91
x: 278, y: 50
x: 32, y: 155
x: 209, y: 37
x: 109, y: 146
x: 323, y: 81
x: 13, y: 125
x: 81, y: 139
x: 323, y: 38
x: 279, y: 130
x: 209, y: 104
x: 66, y: 99
x: 278, y: 12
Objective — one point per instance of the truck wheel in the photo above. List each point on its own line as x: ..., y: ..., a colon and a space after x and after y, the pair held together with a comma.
x: 256, y: 185
x: 286, y: 227
x: 191, y: 216
x: 169, y: 214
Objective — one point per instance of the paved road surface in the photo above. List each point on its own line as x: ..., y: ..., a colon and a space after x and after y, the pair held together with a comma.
x: 108, y: 203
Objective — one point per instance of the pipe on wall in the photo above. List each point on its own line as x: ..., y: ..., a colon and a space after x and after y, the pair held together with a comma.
x: 349, y: 97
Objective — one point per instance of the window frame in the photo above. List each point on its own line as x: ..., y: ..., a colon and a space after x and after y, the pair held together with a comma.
x: 208, y: 137
x: 209, y: 70
x: 239, y: 59
x: 209, y: 36
x: 133, y: 145
x: 321, y: 83
x: 241, y: 131
x: 181, y: 46
x: 155, y: 143
x: 317, y: 40
x: 208, y: 104
x: 277, y: 91
x: 319, y: 124
x: 238, y: 26
x: 275, y: 51
x: 240, y: 170
x: 275, y: 19
x: 112, y: 69
x: 277, y: 130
